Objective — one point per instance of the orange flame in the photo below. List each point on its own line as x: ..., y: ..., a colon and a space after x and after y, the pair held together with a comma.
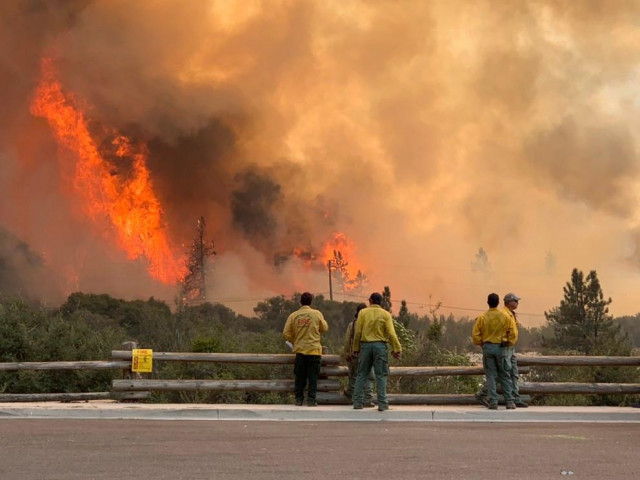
x: 340, y: 243
x: 127, y: 201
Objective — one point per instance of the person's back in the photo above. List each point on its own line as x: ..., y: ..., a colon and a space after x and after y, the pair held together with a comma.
x: 304, y: 328
x: 374, y: 328
x: 494, y: 330
x: 494, y: 326
x: 375, y: 324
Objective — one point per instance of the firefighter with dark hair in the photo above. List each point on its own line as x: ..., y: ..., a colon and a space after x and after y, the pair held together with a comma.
x: 374, y: 328
x: 495, y: 331
x: 303, y: 329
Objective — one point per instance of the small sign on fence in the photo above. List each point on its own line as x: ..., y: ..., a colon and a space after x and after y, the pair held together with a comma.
x: 141, y: 360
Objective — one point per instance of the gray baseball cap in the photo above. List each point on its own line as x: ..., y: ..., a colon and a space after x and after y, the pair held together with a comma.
x: 511, y: 296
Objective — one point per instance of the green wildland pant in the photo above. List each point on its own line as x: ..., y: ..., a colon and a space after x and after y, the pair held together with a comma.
x: 368, y: 385
x: 515, y: 376
x: 497, y: 367
x: 372, y: 354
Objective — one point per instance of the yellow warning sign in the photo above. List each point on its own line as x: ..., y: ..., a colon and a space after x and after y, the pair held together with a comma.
x: 141, y: 360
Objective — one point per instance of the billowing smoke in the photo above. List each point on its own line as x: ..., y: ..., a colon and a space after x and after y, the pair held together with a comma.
x: 21, y: 269
x: 421, y: 130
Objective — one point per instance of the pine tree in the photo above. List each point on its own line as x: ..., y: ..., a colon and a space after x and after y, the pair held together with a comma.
x: 386, y: 299
x: 193, y: 285
x: 582, y: 322
x: 339, y: 271
x: 481, y: 262
x: 403, y: 314
x: 358, y: 284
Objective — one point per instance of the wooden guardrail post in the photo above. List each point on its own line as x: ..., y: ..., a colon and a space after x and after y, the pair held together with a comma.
x: 127, y: 373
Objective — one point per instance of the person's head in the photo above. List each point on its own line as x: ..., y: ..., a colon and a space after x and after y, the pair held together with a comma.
x: 511, y: 301
x: 306, y: 298
x: 493, y: 300
x: 360, y: 307
x: 375, y: 298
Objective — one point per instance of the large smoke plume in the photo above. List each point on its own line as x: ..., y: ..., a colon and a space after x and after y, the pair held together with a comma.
x: 422, y: 130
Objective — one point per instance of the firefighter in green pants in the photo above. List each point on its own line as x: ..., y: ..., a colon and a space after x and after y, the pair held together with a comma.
x: 494, y: 330
x: 511, y: 301
x: 374, y: 328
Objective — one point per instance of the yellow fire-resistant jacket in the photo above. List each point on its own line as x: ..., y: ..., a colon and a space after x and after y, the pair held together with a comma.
x: 495, y: 326
x: 375, y: 324
x: 508, y: 311
x: 303, y: 329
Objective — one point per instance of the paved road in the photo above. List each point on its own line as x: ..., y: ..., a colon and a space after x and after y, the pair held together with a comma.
x: 72, y: 449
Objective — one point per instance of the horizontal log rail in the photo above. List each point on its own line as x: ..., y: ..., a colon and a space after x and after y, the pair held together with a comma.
x: 336, y: 398
x: 578, y: 361
x: 329, y: 388
x: 262, y: 358
x: 81, y: 365
x: 579, y: 388
x: 217, y: 385
x: 72, y: 397
x: 440, y: 371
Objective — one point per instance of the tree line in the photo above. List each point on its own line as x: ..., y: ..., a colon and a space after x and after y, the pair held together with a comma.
x: 88, y: 326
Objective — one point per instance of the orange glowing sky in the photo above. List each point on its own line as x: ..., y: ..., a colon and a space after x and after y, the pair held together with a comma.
x: 421, y: 131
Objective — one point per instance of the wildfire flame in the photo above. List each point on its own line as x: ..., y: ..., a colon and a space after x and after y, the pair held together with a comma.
x: 340, y: 244
x: 122, y: 190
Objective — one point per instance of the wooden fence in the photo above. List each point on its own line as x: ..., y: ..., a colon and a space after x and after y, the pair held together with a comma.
x: 134, y: 387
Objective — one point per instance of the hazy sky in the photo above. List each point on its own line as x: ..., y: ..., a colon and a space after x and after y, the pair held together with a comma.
x: 423, y: 131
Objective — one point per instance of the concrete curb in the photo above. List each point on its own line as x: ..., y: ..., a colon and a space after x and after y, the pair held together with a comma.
x: 333, y: 413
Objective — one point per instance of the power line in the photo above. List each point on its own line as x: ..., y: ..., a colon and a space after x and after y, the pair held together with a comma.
x: 364, y: 298
x: 450, y: 307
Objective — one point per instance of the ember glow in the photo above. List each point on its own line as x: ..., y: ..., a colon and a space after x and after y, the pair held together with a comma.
x: 127, y: 199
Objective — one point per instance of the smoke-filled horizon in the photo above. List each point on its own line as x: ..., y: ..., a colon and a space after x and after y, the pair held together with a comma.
x: 422, y: 131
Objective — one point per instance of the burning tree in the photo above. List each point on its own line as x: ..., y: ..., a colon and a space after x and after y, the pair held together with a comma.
x: 193, y: 285
x: 341, y: 276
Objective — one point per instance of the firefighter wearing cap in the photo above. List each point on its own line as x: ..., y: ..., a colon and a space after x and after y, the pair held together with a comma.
x: 511, y: 301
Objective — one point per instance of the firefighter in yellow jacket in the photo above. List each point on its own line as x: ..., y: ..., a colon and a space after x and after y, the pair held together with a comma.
x: 303, y: 329
x: 495, y: 331
x: 374, y: 328
x: 511, y: 301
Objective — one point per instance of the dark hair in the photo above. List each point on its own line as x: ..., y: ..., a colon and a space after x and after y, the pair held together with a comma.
x: 306, y: 298
x: 360, y: 307
x: 375, y: 298
x: 493, y: 300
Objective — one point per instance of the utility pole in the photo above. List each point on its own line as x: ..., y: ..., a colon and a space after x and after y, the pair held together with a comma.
x: 330, y: 285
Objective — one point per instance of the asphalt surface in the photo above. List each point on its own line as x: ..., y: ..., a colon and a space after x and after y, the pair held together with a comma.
x: 98, y: 440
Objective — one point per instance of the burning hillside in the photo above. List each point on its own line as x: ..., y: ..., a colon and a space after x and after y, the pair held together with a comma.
x: 416, y: 131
